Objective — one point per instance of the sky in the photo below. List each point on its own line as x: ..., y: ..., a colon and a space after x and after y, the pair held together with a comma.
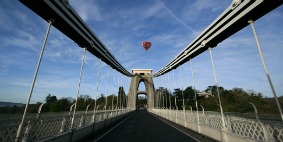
x: 122, y: 26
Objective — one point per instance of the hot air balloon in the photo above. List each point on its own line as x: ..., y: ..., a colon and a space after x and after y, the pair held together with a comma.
x: 146, y: 45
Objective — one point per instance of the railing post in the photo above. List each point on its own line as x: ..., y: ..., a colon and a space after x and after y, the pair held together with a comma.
x: 86, y: 110
x: 191, y: 109
x: 192, y: 112
x: 71, y: 108
x: 185, y: 117
x: 229, y: 124
x: 202, y: 109
x: 28, y: 132
x: 206, y: 121
x: 64, y: 121
x: 84, y: 117
x: 171, y: 112
x: 39, y: 110
x: 177, y: 115
x: 264, y: 126
x: 266, y: 132
x: 29, y: 129
x: 118, y: 111
x: 113, y: 95
x: 256, y: 114
x: 104, y: 108
x: 63, y: 124
x: 94, y: 113
x: 19, y: 132
x: 82, y: 121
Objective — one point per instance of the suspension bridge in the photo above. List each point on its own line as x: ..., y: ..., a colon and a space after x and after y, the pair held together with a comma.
x: 155, y: 122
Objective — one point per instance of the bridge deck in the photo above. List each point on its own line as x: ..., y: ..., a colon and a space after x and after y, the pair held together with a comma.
x: 141, y: 127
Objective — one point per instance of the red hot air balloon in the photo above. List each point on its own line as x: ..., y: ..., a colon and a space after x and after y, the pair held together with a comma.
x: 146, y: 45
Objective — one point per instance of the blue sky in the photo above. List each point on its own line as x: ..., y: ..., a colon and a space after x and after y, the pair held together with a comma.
x: 122, y: 26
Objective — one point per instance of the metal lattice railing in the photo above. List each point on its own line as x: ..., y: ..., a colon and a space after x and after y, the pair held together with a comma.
x: 244, y: 125
x: 40, y: 126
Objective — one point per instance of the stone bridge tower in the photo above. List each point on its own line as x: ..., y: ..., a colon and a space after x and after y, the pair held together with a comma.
x: 141, y: 75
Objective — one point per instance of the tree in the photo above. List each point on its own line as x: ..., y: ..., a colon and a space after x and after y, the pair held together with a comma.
x: 50, y: 99
x: 14, y: 109
x: 55, y: 106
x: 121, y: 97
x: 189, y: 93
x: 65, y: 104
x: 71, y: 100
x: 101, y: 101
x: 178, y: 93
x: 142, y: 100
x: 213, y: 90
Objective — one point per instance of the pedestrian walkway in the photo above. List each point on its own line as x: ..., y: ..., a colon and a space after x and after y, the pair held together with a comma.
x: 142, y: 127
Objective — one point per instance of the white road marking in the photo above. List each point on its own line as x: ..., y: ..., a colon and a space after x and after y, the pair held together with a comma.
x: 112, y: 128
x: 178, y: 129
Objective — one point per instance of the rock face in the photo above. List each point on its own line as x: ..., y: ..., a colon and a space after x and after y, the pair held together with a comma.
x: 133, y: 90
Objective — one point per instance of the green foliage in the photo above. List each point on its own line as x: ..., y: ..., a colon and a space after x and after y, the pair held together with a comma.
x: 142, y: 100
x: 50, y: 99
x: 56, y: 106
x: 109, y: 101
x: 189, y: 93
x: 121, y: 97
x: 235, y: 100
x: 4, y: 110
x: 14, y: 109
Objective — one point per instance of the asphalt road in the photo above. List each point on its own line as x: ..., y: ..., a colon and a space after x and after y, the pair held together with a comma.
x: 142, y: 126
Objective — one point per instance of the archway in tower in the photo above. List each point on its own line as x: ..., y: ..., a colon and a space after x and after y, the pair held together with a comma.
x: 141, y: 96
x: 141, y: 86
x: 141, y: 102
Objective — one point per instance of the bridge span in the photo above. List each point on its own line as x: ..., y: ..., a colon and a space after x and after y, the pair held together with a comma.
x: 161, y: 121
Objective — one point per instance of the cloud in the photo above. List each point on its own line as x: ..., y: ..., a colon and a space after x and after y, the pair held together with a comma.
x: 88, y: 10
x: 216, y: 8
x: 176, y: 18
x: 200, y: 11
x: 138, y: 28
x: 5, y: 62
x: 131, y: 63
x: 154, y: 10
x: 22, y: 39
x: 5, y: 22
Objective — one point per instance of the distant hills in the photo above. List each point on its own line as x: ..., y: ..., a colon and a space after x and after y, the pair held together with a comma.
x: 11, y: 104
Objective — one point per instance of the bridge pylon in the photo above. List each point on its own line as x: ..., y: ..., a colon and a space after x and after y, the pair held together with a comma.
x: 141, y: 75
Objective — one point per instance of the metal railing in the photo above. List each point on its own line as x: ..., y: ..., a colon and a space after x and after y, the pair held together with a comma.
x: 241, y: 124
x: 39, y: 126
